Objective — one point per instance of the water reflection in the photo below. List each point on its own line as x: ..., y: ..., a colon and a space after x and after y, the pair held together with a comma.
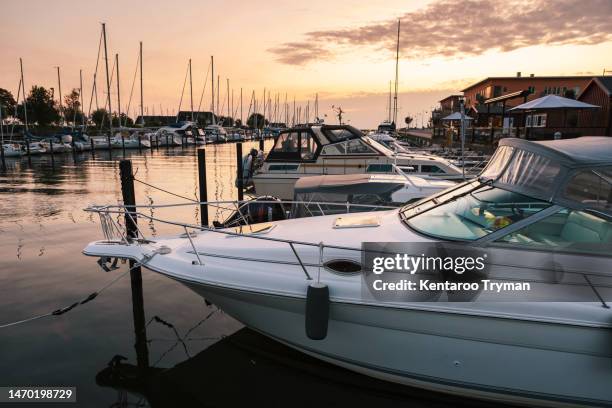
x: 248, y: 369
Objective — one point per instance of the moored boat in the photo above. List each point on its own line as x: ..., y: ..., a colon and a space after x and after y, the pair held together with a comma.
x: 533, y: 200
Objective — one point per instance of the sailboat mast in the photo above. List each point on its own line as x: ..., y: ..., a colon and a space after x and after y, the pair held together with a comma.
x: 25, y: 106
x: 61, y: 106
x: 227, y: 92
x: 389, y: 104
x: 396, y: 73
x: 212, y: 88
x: 190, y: 90
x: 108, y: 99
x: 141, y: 94
x: 118, y: 90
x: 241, y: 122
x: 81, y: 98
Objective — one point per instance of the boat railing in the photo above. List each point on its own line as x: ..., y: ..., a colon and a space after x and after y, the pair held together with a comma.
x: 116, y: 232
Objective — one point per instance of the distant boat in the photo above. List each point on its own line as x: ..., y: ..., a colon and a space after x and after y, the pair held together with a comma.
x: 12, y: 150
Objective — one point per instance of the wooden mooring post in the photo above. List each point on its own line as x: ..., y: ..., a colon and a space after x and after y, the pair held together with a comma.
x: 239, y: 173
x: 202, y: 187
x: 129, y: 200
x: 261, y: 144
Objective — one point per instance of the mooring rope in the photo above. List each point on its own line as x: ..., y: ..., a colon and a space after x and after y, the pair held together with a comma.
x: 65, y: 309
x: 165, y: 191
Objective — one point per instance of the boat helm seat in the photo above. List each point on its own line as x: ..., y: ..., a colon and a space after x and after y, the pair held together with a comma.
x: 579, y: 227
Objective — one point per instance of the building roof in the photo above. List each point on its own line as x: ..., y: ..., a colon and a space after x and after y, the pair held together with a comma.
x: 450, y: 97
x: 526, y: 78
x: 604, y: 82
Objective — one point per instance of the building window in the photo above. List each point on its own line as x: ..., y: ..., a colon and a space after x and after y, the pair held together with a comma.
x: 531, y: 89
x: 538, y: 120
x: 576, y: 91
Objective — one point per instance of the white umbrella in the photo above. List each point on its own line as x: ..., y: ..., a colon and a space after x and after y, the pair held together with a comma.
x: 553, y: 102
x: 456, y: 116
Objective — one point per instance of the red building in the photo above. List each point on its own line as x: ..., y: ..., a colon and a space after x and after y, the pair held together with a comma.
x: 597, y: 92
x: 493, y: 87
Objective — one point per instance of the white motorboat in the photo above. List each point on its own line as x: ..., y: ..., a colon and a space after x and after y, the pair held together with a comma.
x: 36, y: 148
x: 130, y: 141
x: 533, y: 201
x: 325, y: 195
x: 215, y: 134
x: 178, y: 134
x: 12, y: 150
x: 54, y: 146
x: 325, y: 149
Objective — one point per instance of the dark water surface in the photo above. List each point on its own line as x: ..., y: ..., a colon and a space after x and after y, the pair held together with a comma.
x: 205, y: 358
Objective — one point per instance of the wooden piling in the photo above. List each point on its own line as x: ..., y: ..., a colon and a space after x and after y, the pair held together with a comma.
x: 261, y: 144
x: 203, y: 186
x: 239, y: 180
x: 129, y: 200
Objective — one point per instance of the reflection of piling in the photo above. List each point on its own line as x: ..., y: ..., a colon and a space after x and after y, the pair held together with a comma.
x: 108, y: 141
x: 203, y: 187
x: 91, y: 142
x: 239, y: 181
x: 27, y: 143
x: 2, y: 155
x: 51, y: 148
x: 129, y: 200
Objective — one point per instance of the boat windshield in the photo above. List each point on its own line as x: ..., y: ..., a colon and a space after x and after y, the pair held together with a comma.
x: 470, y: 212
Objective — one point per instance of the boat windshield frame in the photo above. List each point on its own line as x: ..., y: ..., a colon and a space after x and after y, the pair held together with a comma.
x: 422, y: 207
x: 353, y: 133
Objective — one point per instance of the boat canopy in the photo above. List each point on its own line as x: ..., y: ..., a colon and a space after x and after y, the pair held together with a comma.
x: 575, y: 173
x: 348, y: 184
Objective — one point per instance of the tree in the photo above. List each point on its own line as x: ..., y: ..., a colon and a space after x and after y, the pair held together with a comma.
x: 256, y: 119
x: 99, y: 117
x: 408, y: 120
x: 226, y: 121
x: 238, y: 123
x: 125, y: 120
x: 72, y: 107
x: 41, y: 107
x: 570, y: 93
x: 7, y: 103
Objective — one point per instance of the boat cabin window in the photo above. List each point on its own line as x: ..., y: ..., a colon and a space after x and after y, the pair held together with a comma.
x: 294, y: 146
x: 472, y: 214
x: 430, y: 168
x: 354, y: 146
x: 591, y: 187
x: 567, y: 230
x: 340, y: 133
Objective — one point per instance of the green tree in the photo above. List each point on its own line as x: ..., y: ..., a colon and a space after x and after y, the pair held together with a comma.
x: 238, y: 123
x: 256, y: 119
x: 72, y: 107
x: 408, y: 120
x: 226, y: 121
x: 100, y: 117
x: 41, y: 107
x: 125, y: 120
x: 7, y: 103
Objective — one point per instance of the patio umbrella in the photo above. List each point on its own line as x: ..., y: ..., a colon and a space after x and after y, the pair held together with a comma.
x: 456, y: 116
x: 553, y: 102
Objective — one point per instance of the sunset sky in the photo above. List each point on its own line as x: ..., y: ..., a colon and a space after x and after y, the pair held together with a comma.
x: 344, y: 49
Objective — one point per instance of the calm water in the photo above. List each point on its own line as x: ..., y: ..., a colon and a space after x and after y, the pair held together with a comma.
x: 210, y: 360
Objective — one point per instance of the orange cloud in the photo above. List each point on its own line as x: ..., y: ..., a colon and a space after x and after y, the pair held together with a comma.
x: 464, y: 28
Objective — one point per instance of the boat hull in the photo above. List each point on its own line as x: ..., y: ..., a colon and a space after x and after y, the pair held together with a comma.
x: 505, y: 360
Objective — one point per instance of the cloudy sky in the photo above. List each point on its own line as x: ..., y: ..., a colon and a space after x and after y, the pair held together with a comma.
x: 342, y: 50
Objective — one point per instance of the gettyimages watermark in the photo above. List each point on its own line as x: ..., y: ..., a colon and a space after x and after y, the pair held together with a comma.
x: 431, y: 272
